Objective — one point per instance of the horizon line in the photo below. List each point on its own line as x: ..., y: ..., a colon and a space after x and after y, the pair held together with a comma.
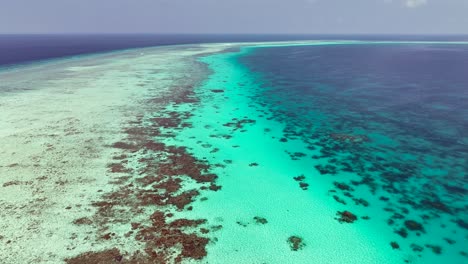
x: 235, y: 34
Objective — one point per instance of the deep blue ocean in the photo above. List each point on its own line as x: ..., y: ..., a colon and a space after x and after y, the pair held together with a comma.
x: 391, y: 123
x: 16, y: 49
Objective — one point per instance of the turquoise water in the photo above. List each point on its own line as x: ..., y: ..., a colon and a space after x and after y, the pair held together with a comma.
x: 300, y: 134
x: 395, y: 116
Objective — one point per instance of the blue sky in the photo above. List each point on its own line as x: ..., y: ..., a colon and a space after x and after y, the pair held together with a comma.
x: 235, y: 16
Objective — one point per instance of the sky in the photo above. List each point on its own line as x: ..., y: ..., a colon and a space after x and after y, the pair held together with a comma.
x: 235, y: 16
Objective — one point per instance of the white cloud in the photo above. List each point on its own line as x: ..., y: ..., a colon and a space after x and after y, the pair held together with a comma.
x: 415, y: 3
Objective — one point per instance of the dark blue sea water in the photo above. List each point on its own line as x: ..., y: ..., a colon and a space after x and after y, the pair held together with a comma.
x: 26, y: 48
x: 391, y: 123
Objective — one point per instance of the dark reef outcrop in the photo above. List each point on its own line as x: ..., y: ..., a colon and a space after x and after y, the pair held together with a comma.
x: 346, y: 217
x: 296, y: 243
x: 149, y: 179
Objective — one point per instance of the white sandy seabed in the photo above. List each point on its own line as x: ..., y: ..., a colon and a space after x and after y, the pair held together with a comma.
x: 58, y: 119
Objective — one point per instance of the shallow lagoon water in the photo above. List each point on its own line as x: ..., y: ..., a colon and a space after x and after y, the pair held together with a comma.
x: 384, y: 138
x: 266, y: 190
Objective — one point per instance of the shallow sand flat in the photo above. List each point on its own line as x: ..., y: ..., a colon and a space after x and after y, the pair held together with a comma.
x: 58, y: 120
x: 260, y: 205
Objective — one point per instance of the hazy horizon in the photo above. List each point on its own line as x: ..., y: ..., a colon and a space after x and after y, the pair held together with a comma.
x: 239, y: 34
x: 303, y: 17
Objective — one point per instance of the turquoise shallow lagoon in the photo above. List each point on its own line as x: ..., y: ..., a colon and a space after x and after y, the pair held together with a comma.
x: 305, y: 152
x: 312, y: 132
x: 266, y: 190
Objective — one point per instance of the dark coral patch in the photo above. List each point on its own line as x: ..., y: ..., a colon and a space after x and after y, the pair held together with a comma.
x: 414, y: 226
x: 461, y: 223
x: 402, y: 232
x: 436, y: 204
x: 181, y: 200
x: 83, y: 221
x: 361, y: 201
x: 455, y: 189
x: 327, y: 169
x: 161, y: 236
x: 107, y: 256
x: 296, y: 243
x: 214, y: 187
x: 299, y: 178
x: 449, y: 241
x: 394, y: 245
x: 108, y: 236
x: 436, y: 249
x: 123, y: 145
x: 118, y: 168
x: 214, y: 150
x: 170, y: 185
x: 153, y: 182
x: 342, y: 186
x: 349, y: 138
x: 181, y: 223
x: 304, y: 186
x: 201, y: 178
x: 338, y: 199
x: 239, y: 124
x: 346, y: 217
x: 260, y: 220
x: 416, y: 248
x: 241, y: 223
x: 216, y: 228
x: 147, y: 180
x: 296, y: 155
